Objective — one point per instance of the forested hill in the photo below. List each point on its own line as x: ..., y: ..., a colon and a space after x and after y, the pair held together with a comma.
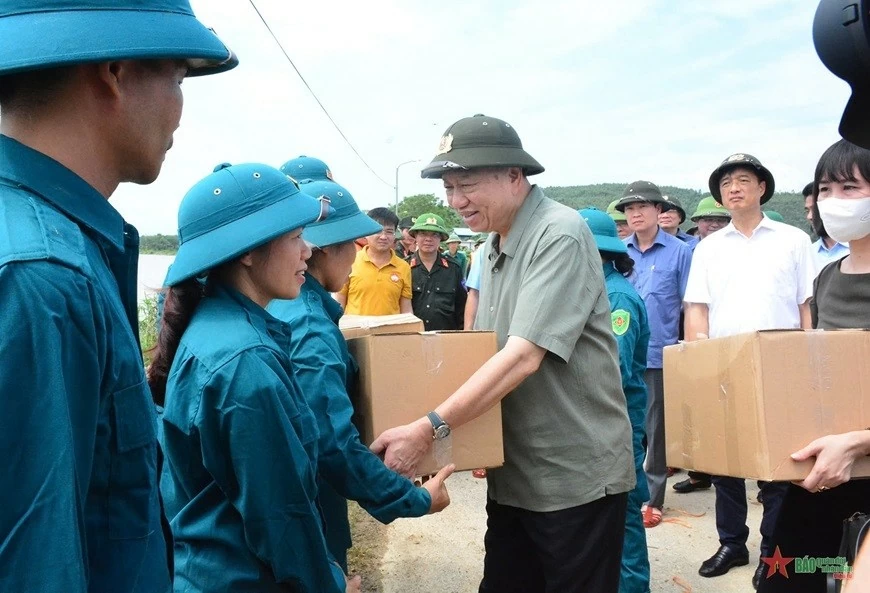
x: 790, y: 205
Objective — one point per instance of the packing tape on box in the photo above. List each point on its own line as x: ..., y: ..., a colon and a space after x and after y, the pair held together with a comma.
x: 725, y: 359
x: 433, y: 353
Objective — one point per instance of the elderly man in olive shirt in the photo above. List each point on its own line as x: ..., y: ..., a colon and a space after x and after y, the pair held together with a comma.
x: 556, y: 510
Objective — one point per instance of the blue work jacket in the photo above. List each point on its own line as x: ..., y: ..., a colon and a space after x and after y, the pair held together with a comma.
x: 241, y: 453
x: 347, y: 469
x: 79, y: 506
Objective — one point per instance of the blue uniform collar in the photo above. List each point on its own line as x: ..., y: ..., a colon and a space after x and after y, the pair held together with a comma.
x: 314, y: 290
x: 24, y: 167
x: 279, y: 330
x: 610, y: 270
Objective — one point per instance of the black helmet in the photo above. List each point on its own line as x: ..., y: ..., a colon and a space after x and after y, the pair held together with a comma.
x: 674, y: 204
x: 640, y: 191
x: 840, y: 34
x: 741, y: 159
x: 480, y: 141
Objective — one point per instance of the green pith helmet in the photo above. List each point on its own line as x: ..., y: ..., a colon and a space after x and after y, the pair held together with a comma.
x: 710, y: 208
x: 674, y: 204
x: 453, y: 238
x: 615, y: 214
x: 640, y: 192
x: 774, y: 215
x: 741, y: 159
x: 480, y: 141
x: 429, y: 222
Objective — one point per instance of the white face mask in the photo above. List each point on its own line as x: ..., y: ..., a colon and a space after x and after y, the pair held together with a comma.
x: 846, y: 219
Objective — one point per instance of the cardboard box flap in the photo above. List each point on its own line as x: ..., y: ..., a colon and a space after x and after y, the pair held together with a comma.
x: 355, y: 326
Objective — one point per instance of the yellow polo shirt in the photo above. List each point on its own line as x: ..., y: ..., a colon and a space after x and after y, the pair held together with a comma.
x: 376, y: 291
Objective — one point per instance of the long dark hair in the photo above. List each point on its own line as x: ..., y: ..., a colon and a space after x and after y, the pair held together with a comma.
x: 838, y: 164
x: 621, y: 261
x: 179, y: 305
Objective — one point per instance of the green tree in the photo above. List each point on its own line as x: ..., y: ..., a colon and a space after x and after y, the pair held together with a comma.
x: 158, y: 244
x: 424, y: 203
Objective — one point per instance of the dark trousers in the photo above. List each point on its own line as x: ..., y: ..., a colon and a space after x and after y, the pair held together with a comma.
x: 656, y: 465
x: 811, y: 524
x: 575, y: 550
x: 731, y: 510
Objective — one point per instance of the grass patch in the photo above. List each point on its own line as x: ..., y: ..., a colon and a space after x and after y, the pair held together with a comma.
x: 369, y: 546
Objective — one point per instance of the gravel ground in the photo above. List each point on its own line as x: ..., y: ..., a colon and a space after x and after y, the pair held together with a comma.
x: 444, y: 552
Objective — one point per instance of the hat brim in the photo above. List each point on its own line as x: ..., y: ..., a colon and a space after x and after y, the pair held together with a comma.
x: 209, y: 250
x: 610, y: 244
x: 697, y: 217
x: 460, y: 159
x: 637, y: 199
x: 413, y: 231
x: 38, y: 40
x: 766, y: 176
x: 341, y: 230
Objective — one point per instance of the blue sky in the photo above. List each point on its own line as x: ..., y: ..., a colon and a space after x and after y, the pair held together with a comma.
x: 644, y: 89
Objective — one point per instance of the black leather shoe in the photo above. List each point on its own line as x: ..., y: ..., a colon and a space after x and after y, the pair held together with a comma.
x: 687, y: 485
x: 722, y: 561
x: 759, y: 572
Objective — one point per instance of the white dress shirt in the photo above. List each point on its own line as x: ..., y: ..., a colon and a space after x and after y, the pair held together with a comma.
x: 752, y: 283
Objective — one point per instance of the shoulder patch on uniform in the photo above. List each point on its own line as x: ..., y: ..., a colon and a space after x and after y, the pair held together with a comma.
x: 620, y: 320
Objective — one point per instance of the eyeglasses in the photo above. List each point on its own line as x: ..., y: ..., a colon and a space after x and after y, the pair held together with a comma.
x: 387, y: 232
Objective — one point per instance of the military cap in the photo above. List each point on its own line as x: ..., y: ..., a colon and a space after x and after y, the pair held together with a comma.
x: 774, y: 215
x: 430, y: 222
x: 453, y: 238
x: 307, y: 167
x: 603, y: 229
x: 741, y: 159
x: 674, y: 204
x: 406, y: 223
x: 480, y: 141
x: 709, y: 208
x: 39, y: 34
x: 615, y: 214
x: 640, y: 192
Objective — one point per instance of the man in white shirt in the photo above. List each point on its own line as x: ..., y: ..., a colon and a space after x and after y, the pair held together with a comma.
x: 754, y: 274
x: 825, y: 249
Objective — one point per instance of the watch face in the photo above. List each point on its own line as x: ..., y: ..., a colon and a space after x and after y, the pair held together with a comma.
x: 442, y: 431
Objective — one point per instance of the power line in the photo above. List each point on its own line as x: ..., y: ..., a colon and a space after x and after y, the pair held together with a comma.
x: 316, y: 98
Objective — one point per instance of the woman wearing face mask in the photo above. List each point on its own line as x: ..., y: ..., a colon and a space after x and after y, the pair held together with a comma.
x: 811, y: 519
x: 324, y: 369
x: 240, y: 442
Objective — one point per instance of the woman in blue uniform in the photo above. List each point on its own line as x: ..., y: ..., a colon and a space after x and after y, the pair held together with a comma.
x: 240, y: 442
x: 324, y: 370
x: 631, y: 329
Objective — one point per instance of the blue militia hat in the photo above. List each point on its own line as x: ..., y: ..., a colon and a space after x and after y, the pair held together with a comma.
x: 603, y: 228
x: 236, y: 209
x: 307, y: 167
x: 40, y: 34
x: 347, y: 223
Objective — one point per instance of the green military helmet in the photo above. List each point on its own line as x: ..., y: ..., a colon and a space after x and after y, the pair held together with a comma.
x: 741, y: 159
x: 640, y: 192
x: 674, y: 204
x: 709, y: 208
x: 406, y: 223
x: 774, y: 215
x: 480, y: 238
x: 480, y: 141
x: 615, y: 214
x: 453, y: 238
x: 430, y: 222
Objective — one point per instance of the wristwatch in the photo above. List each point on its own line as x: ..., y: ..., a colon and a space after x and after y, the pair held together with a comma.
x: 440, y: 429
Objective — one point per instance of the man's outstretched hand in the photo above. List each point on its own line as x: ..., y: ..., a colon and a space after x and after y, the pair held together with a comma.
x: 403, y: 447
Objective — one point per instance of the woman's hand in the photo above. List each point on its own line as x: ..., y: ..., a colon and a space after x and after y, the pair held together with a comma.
x: 354, y: 585
x: 437, y: 489
x: 835, y: 454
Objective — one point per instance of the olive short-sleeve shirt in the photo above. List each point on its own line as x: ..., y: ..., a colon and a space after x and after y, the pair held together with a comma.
x: 567, y: 437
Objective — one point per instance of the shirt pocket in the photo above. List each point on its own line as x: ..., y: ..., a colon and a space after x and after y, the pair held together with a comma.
x: 133, y: 469
x: 663, y: 281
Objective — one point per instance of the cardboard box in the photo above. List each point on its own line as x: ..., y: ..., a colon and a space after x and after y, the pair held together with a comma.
x: 402, y: 377
x: 354, y: 326
x: 739, y: 406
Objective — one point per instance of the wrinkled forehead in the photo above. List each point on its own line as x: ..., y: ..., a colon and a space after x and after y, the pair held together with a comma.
x: 739, y: 171
x: 453, y: 177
